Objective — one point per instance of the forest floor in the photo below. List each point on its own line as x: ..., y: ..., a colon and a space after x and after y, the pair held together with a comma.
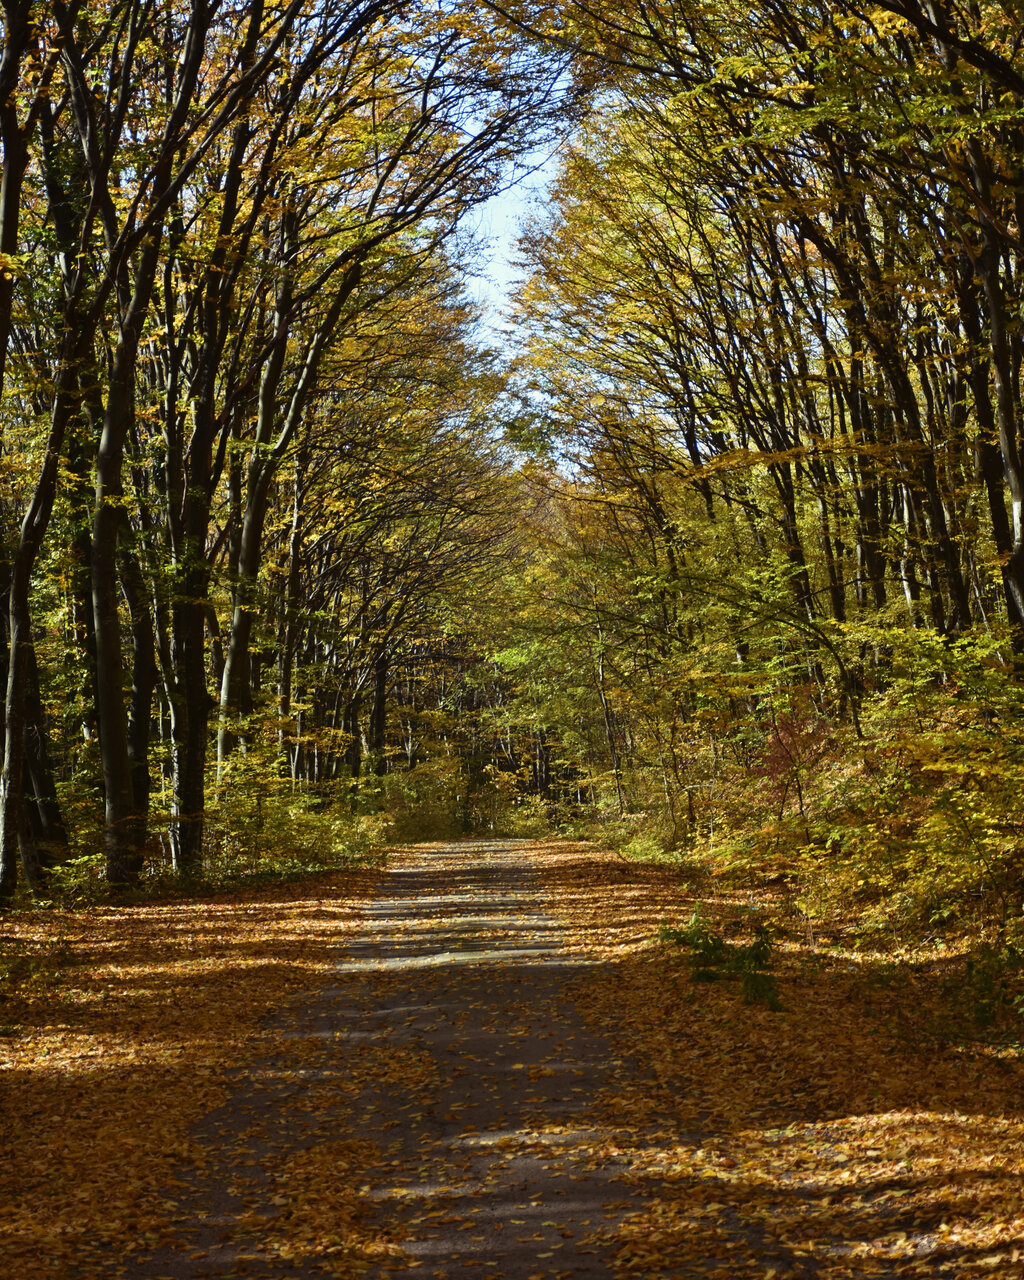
x: 480, y: 1063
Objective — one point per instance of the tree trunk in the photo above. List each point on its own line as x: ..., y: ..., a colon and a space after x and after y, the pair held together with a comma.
x: 124, y: 825
x: 143, y: 682
x: 14, y: 138
x: 190, y: 715
x: 33, y: 530
x: 379, y: 713
x: 45, y: 839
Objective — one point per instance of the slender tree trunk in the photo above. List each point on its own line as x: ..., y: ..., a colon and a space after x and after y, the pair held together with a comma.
x: 143, y: 681
x: 45, y: 823
x: 289, y: 624
x: 33, y: 530
x: 124, y: 826
x: 189, y: 696
x: 274, y: 432
x: 14, y: 137
x: 379, y: 713
x: 190, y: 716
x: 609, y: 729
x: 1007, y: 423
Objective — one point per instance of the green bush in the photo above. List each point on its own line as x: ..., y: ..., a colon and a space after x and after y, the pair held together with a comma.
x: 259, y: 824
x: 425, y: 803
x: 985, y: 996
x: 79, y: 882
x: 712, y: 958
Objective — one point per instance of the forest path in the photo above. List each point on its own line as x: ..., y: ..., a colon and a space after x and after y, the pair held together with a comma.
x: 499, y: 1075
x: 431, y: 1109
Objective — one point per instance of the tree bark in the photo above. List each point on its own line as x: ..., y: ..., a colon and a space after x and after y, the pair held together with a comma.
x: 377, y: 734
x: 22, y: 653
x: 124, y: 825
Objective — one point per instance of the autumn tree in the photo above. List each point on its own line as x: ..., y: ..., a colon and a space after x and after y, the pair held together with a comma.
x: 210, y: 202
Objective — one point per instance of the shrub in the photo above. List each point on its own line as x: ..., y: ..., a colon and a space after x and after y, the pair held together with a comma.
x: 711, y: 958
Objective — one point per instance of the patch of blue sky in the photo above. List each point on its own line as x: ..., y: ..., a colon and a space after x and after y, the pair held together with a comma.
x: 497, y: 226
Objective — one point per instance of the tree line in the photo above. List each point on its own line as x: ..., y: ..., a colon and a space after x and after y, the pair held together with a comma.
x: 728, y: 547
x: 242, y: 403
x: 773, y: 331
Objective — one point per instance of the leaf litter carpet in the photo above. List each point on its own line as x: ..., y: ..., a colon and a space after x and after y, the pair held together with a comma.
x: 481, y: 1066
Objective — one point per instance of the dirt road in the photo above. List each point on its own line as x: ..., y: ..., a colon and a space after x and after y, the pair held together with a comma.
x: 434, y: 1101
x: 503, y: 1078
